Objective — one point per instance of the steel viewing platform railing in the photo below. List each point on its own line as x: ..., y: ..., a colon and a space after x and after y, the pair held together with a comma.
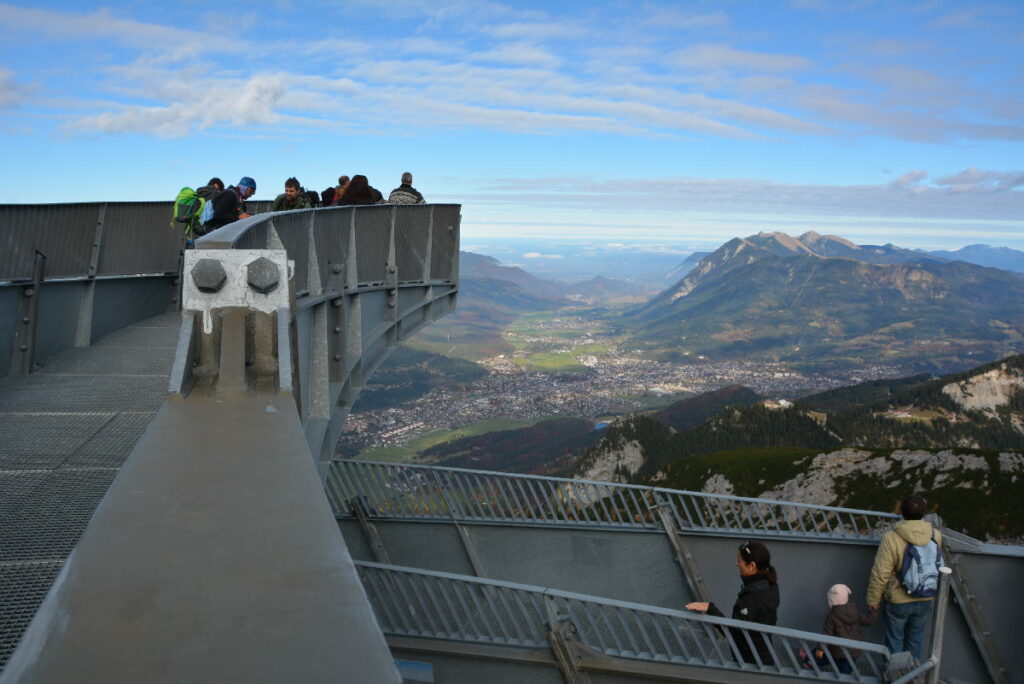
x: 413, y: 492
x: 425, y: 604
x: 283, y: 317
x: 364, y: 279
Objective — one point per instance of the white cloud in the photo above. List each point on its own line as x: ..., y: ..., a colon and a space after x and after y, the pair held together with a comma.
x: 977, y: 181
x: 724, y: 57
x: 518, y: 53
x: 251, y: 102
x: 11, y: 92
x: 545, y: 74
x: 972, y: 194
x: 909, y: 179
x: 538, y: 255
x: 533, y: 31
x: 674, y: 18
x: 102, y: 24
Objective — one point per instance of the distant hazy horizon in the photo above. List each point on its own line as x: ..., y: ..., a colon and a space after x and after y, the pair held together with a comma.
x: 544, y: 247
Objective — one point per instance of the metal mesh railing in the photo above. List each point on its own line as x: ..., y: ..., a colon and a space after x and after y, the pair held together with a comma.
x: 88, y: 239
x: 388, y: 490
x: 435, y: 605
x: 416, y: 227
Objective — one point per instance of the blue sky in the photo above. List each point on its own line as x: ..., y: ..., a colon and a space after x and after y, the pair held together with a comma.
x: 683, y: 122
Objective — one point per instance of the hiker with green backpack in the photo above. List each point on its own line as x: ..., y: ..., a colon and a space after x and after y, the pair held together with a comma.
x: 193, y: 208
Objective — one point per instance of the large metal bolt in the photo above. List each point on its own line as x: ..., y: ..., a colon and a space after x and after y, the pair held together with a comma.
x: 209, y: 275
x: 337, y: 268
x: 263, y: 275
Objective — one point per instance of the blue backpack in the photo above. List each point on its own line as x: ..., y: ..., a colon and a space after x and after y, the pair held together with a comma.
x: 919, y: 573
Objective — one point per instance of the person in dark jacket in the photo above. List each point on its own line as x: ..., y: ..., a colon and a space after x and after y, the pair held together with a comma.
x: 229, y: 206
x: 292, y: 197
x: 358, y: 192
x: 405, y: 193
x: 843, y: 620
x: 758, y: 601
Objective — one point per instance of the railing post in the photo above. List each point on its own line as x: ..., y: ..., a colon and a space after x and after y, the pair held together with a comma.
x: 24, y: 355
x: 684, y: 557
x: 564, y: 643
x: 83, y: 327
x: 467, y: 542
x: 380, y: 552
x: 942, y: 603
x: 391, y: 282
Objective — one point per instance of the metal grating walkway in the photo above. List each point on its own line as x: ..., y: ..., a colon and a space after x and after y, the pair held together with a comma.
x: 64, y: 433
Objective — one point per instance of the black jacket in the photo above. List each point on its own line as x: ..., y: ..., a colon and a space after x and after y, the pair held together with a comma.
x: 226, y: 207
x: 758, y: 601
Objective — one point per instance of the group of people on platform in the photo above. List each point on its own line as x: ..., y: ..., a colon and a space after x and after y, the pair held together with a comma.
x: 905, y: 615
x: 229, y: 202
x: 348, y: 192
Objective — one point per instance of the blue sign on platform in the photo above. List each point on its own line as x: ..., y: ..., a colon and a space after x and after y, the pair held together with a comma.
x: 413, y: 671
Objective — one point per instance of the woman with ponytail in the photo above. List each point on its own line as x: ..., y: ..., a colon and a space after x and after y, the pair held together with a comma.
x: 758, y: 600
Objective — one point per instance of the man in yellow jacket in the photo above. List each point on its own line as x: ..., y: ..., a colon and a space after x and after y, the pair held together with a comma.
x: 905, y: 615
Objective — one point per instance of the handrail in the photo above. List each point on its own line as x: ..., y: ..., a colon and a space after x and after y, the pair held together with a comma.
x: 396, y: 244
x: 438, y: 605
x: 926, y: 666
x: 416, y: 492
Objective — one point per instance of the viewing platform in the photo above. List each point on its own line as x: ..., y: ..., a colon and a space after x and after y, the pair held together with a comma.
x: 172, y: 510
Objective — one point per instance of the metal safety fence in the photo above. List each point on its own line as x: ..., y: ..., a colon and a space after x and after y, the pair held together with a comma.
x: 340, y: 248
x: 435, y: 605
x: 413, y: 492
x: 84, y: 240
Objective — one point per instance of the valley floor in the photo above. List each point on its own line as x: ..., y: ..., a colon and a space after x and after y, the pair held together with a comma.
x: 590, y: 378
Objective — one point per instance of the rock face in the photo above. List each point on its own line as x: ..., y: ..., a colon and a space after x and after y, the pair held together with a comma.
x: 969, y: 490
x: 987, y: 391
x: 607, y: 465
x: 819, y: 484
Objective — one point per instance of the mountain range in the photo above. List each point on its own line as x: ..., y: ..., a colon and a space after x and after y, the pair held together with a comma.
x: 981, y: 255
x: 985, y: 255
x: 824, y: 300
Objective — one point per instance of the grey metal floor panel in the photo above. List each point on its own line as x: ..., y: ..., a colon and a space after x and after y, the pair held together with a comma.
x: 140, y: 337
x: 110, y: 360
x: 113, y: 441
x: 30, y: 435
x: 64, y: 433
x: 53, y: 515
x: 22, y: 587
x: 84, y: 393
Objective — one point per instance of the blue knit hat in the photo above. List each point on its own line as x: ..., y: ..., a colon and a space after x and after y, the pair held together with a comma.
x: 247, y: 182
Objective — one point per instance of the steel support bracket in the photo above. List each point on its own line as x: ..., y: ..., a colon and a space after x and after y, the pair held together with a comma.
x: 380, y: 553
x: 467, y: 542
x: 975, y: 621
x: 565, y: 646
x: 687, y: 563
